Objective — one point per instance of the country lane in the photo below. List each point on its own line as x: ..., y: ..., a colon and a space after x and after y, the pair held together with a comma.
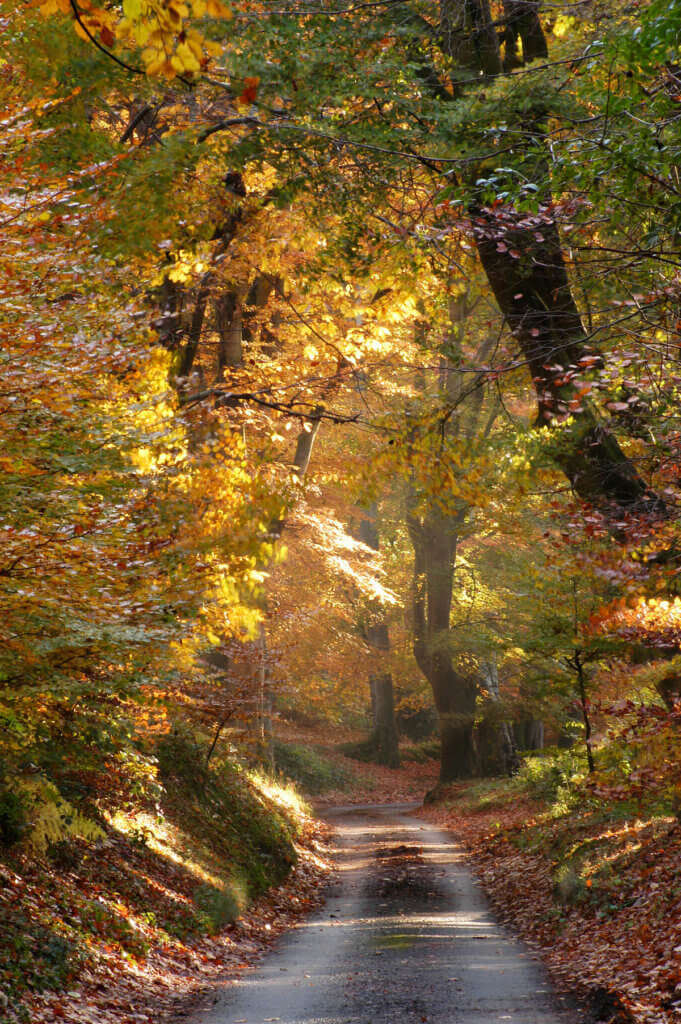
x: 405, y: 937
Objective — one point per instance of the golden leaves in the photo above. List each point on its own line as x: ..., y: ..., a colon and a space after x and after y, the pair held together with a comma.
x: 170, y: 45
x: 161, y: 29
x: 54, y: 7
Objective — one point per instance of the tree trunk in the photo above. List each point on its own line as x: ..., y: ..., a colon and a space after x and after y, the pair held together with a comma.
x: 266, y: 703
x: 496, y: 752
x: 529, y: 734
x: 434, y: 536
x: 455, y: 697
x: 522, y: 26
x: 468, y: 35
x: 434, y: 539
x: 191, y: 347
x: 229, y: 325
x: 523, y: 260
x: 534, y: 295
x: 383, y: 739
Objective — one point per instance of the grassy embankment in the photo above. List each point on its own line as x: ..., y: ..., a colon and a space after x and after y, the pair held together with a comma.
x: 80, y: 913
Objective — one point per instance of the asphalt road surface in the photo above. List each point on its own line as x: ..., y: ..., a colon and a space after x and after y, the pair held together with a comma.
x: 405, y: 937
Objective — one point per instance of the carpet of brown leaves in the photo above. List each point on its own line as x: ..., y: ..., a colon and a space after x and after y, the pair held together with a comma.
x: 177, y: 978
x: 370, y: 783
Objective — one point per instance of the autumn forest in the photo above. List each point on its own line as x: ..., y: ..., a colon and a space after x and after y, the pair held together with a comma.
x: 340, y: 447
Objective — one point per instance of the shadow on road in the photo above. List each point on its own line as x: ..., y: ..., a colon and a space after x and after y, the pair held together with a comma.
x: 405, y: 936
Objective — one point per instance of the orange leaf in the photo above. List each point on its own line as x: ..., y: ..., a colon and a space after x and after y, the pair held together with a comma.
x: 250, y: 90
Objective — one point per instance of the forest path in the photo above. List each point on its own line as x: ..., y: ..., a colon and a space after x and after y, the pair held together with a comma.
x: 405, y: 937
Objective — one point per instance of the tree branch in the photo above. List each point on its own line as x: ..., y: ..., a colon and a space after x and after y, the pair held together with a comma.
x: 103, y: 49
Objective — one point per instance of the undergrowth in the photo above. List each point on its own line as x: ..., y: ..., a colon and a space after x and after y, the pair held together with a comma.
x: 588, y: 839
x: 314, y: 773
x: 219, y: 837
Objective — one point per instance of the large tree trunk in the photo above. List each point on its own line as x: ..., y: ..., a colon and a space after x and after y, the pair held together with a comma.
x: 535, y: 298
x: 434, y: 538
x: 523, y: 260
x: 383, y: 738
x: 455, y: 702
x: 434, y: 535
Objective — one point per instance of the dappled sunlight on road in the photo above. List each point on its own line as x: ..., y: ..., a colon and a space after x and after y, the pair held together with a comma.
x: 405, y: 936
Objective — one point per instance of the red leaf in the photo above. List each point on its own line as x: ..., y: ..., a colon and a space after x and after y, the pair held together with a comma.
x: 250, y: 90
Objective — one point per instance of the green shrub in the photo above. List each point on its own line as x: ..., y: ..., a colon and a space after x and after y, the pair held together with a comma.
x: 358, y: 750
x: 416, y: 722
x: 218, y: 906
x: 312, y: 772
x: 182, y: 758
x: 427, y: 750
x: 243, y: 836
x: 549, y: 775
x: 35, y: 957
x: 568, y: 885
x: 14, y: 823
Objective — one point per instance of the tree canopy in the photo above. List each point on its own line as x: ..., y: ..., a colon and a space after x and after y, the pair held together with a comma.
x: 274, y: 271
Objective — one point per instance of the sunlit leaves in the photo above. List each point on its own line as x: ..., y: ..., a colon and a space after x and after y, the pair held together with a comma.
x: 161, y: 30
x: 130, y: 531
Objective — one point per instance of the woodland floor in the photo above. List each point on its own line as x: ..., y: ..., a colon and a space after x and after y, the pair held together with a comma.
x: 608, y: 927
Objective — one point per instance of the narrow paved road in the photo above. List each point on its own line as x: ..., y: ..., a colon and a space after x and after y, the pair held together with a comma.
x: 405, y: 937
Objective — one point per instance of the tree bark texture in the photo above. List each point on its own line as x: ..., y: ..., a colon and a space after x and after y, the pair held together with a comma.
x: 526, y: 270
x: 468, y: 35
x: 383, y: 739
x: 535, y: 298
x: 522, y: 29
x: 434, y: 539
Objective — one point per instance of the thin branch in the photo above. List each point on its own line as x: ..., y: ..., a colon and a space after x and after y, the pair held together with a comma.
x: 428, y: 160
x: 109, y: 54
x: 134, y: 121
x: 310, y: 410
x: 231, y: 122
x: 103, y: 49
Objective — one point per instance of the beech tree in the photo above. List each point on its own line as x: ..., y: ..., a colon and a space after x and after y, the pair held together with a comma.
x: 319, y: 176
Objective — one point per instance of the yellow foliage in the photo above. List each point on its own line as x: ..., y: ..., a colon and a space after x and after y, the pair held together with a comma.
x: 52, y: 817
x: 170, y: 46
